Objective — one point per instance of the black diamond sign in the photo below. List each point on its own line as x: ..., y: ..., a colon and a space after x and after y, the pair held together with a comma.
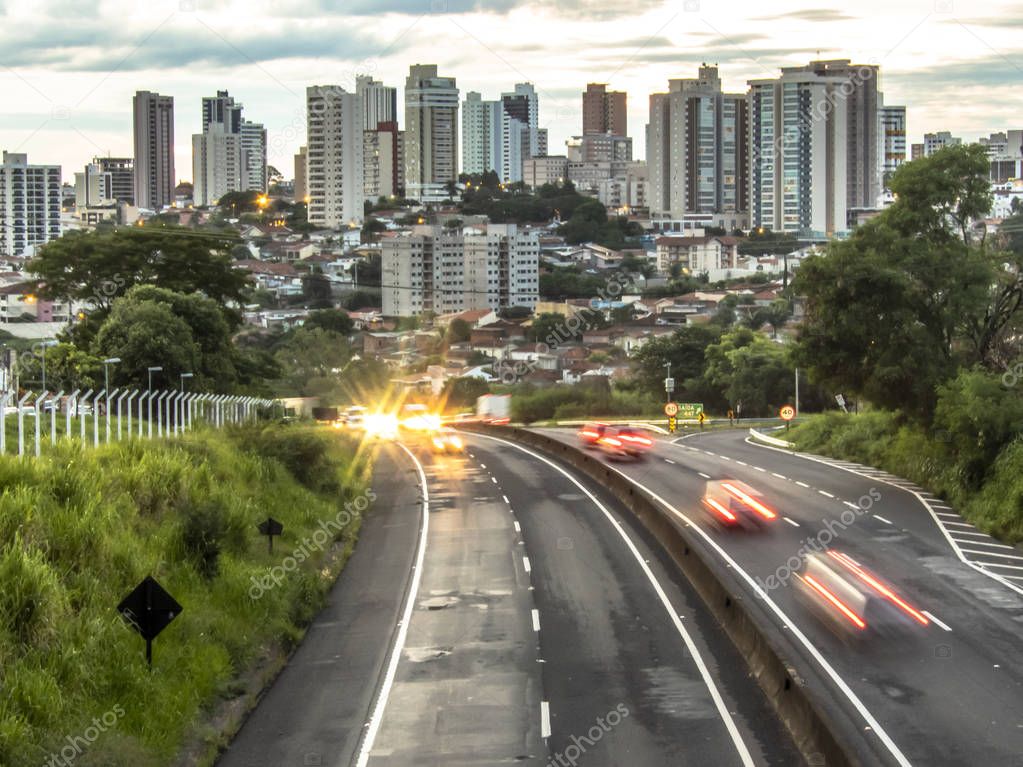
x: 149, y: 609
x: 270, y: 528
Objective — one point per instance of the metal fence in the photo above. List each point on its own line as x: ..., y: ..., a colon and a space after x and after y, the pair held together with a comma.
x: 118, y: 414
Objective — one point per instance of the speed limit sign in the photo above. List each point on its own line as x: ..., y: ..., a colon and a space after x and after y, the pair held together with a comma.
x: 787, y: 413
x: 671, y: 409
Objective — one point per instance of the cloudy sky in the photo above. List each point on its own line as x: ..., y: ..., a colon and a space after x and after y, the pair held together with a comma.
x: 68, y: 70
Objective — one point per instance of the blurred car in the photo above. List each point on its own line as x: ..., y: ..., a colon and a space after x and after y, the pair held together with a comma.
x: 354, y: 417
x: 850, y: 599
x: 625, y: 441
x: 590, y: 433
x: 735, y: 504
x: 447, y: 440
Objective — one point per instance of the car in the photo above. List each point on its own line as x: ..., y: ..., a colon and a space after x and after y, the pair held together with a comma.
x: 354, y: 417
x: 590, y: 433
x: 625, y: 441
x: 850, y: 599
x: 735, y: 504
x: 447, y: 440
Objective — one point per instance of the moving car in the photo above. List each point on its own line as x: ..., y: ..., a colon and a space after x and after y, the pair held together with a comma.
x: 591, y: 433
x: 735, y: 504
x: 447, y: 440
x: 624, y: 441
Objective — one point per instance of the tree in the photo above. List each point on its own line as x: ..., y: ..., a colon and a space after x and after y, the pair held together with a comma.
x: 316, y: 287
x: 99, y: 267
x: 463, y: 392
x: 684, y: 349
x: 67, y: 368
x: 333, y: 320
x: 895, y: 309
x: 312, y: 360
x: 459, y: 331
x: 745, y: 367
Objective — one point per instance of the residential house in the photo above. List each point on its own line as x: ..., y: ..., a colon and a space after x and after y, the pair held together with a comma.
x: 696, y: 255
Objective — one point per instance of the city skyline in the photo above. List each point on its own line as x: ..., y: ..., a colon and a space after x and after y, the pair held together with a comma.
x: 70, y: 103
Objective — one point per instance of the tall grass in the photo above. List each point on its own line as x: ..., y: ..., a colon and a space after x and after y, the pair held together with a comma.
x: 80, y: 528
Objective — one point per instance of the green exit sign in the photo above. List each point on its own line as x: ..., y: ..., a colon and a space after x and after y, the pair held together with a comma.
x: 690, y: 410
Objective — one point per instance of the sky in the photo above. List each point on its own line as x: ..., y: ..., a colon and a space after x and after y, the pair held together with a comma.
x: 68, y: 71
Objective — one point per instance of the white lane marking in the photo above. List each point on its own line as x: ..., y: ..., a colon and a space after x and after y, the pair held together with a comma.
x: 992, y: 554
x: 851, y: 505
x: 985, y: 543
x: 779, y: 476
x: 525, y: 564
x: 694, y: 651
x: 947, y: 514
x: 536, y: 619
x: 760, y: 469
x: 791, y: 521
x: 825, y: 493
x: 935, y: 620
x: 494, y: 480
x: 879, y: 518
x: 545, y: 719
x: 741, y: 463
x: 724, y: 458
x: 869, y: 718
x: 942, y: 526
x: 705, y: 476
x: 668, y: 460
x: 801, y: 484
x: 506, y: 499
x: 972, y: 532
x: 406, y: 617
x: 518, y: 528
x: 483, y: 466
x: 995, y: 564
x: 708, y: 452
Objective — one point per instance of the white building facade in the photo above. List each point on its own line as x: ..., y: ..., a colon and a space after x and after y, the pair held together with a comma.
x: 335, y: 171
x: 30, y: 201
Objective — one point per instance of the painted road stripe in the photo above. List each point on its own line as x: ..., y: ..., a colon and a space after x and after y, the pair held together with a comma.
x: 791, y: 521
x: 992, y: 544
x: 825, y: 493
x: 993, y: 554
x: 882, y: 519
x: 483, y: 466
x: 801, y: 484
x: 518, y: 529
x: 708, y: 452
x: 668, y: 460
x: 525, y: 563
x: 939, y: 622
x: 724, y: 458
x: 506, y: 499
x: 705, y: 476
x: 779, y: 476
x: 995, y: 564
x: 851, y: 505
x: 970, y: 532
x: 494, y: 480
x: 545, y: 719
x: 536, y: 620
x: 758, y: 468
x: 947, y: 514
x: 741, y: 463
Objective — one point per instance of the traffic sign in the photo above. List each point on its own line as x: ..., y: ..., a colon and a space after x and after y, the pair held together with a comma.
x: 690, y: 410
x: 669, y: 385
x: 270, y: 527
x: 149, y: 609
x: 672, y: 423
x: 671, y: 409
x: 787, y: 413
x: 701, y: 417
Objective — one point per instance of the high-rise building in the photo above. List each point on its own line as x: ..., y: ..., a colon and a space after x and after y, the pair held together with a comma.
x: 30, y: 200
x: 379, y: 102
x: 696, y: 149
x: 335, y: 156
x: 521, y: 138
x: 604, y: 111
x: 893, y: 140
x: 122, y: 176
x: 431, y: 133
x: 94, y: 187
x: 935, y: 141
x: 301, y: 183
x: 481, y: 134
x: 1005, y: 150
x: 154, y: 150
x: 814, y: 147
x: 916, y: 151
x: 230, y: 153
x: 439, y: 270
x: 383, y: 154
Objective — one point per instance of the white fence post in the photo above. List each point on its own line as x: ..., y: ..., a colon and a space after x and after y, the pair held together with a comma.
x: 53, y: 416
x: 83, y: 402
x: 21, y: 424
x: 95, y: 417
x: 40, y: 403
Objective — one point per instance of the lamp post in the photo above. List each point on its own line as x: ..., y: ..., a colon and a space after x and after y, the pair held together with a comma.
x: 151, y: 370
x: 45, y: 344
x: 180, y: 412
x: 106, y: 370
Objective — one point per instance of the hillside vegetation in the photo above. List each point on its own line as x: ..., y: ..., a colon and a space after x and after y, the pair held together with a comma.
x: 80, y: 529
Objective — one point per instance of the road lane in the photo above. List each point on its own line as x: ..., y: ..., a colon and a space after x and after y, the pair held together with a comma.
x: 945, y: 697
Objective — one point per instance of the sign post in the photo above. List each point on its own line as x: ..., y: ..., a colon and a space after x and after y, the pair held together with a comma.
x: 149, y: 609
x: 787, y: 413
x: 671, y: 410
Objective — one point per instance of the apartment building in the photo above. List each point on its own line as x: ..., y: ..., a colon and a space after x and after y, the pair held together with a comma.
x: 154, y: 150
x: 335, y: 156
x: 431, y: 133
x: 30, y: 200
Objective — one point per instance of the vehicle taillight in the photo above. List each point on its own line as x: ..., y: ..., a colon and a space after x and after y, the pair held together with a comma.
x: 834, y: 601
x: 719, y: 509
x: 749, y: 500
x: 612, y: 441
x: 853, y: 566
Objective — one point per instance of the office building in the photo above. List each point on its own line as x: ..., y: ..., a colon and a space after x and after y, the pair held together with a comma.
x: 935, y: 141
x: 94, y: 188
x: 501, y: 135
x: 697, y: 149
x: 1005, y: 150
x: 431, y: 133
x: 154, y: 150
x: 599, y: 147
x: 122, y: 176
x: 379, y: 102
x: 254, y: 172
x: 916, y: 151
x: 383, y: 152
x: 301, y: 184
x: 30, y: 202
x: 893, y: 140
x: 604, y: 111
x: 481, y: 134
x: 230, y: 153
x: 550, y: 169
x: 437, y: 270
x: 335, y: 175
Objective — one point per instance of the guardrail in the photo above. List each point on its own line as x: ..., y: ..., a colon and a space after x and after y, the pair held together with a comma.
x: 168, y: 413
x: 768, y: 440
x: 820, y: 728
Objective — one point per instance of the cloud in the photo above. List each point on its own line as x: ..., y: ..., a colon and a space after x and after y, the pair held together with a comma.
x: 577, y: 9
x: 810, y: 14
x: 979, y: 74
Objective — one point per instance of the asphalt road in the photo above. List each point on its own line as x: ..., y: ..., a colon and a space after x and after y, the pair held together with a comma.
x: 950, y: 693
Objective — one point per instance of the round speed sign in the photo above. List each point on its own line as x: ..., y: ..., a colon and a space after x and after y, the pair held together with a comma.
x: 671, y: 409
x: 787, y: 413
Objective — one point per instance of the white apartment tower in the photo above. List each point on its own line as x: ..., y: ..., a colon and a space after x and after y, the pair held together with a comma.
x: 230, y: 153
x: 893, y: 140
x: 30, y: 201
x: 335, y: 178
x: 154, y: 150
x: 383, y: 143
x: 450, y: 271
x: 431, y: 133
x: 481, y: 134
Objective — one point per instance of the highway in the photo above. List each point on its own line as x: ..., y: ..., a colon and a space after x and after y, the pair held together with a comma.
x: 948, y: 693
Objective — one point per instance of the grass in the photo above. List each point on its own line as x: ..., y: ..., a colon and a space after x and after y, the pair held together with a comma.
x: 79, y: 529
x: 930, y: 459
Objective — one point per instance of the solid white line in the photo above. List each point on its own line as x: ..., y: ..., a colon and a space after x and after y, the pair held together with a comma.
x: 518, y: 528
x: 992, y: 554
x: 724, y: 458
x: 779, y: 476
x: 705, y: 476
x: 536, y: 620
x: 879, y: 518
x: 871, y: 722
x: 957, y: 524
x: 947, y: 514
x: 694, y: 651
x: 971, y: 532
x: 791, y: 521
x: 525, y: 563
x: 991, y: 545
x: 940, y: 623
x: 406, y: 617
x: 930, y: 510
x: 506, y: 499
x: 995, y: 564
x: 825, y: 493
x: 545, y: 719
x: 801, y: 484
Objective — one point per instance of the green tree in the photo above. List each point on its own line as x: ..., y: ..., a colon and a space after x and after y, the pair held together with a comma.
x: 67, y: 367
x: 312, y: 360
x: 459, y: 331
x: 463, y: 392
x: 684, y: 349
x: 746, y: 367
x: 334, y: 320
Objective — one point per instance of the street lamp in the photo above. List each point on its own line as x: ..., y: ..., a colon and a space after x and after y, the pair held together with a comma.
x: 183, y: 377
x: 152, y: 370
x: 106, y: 369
